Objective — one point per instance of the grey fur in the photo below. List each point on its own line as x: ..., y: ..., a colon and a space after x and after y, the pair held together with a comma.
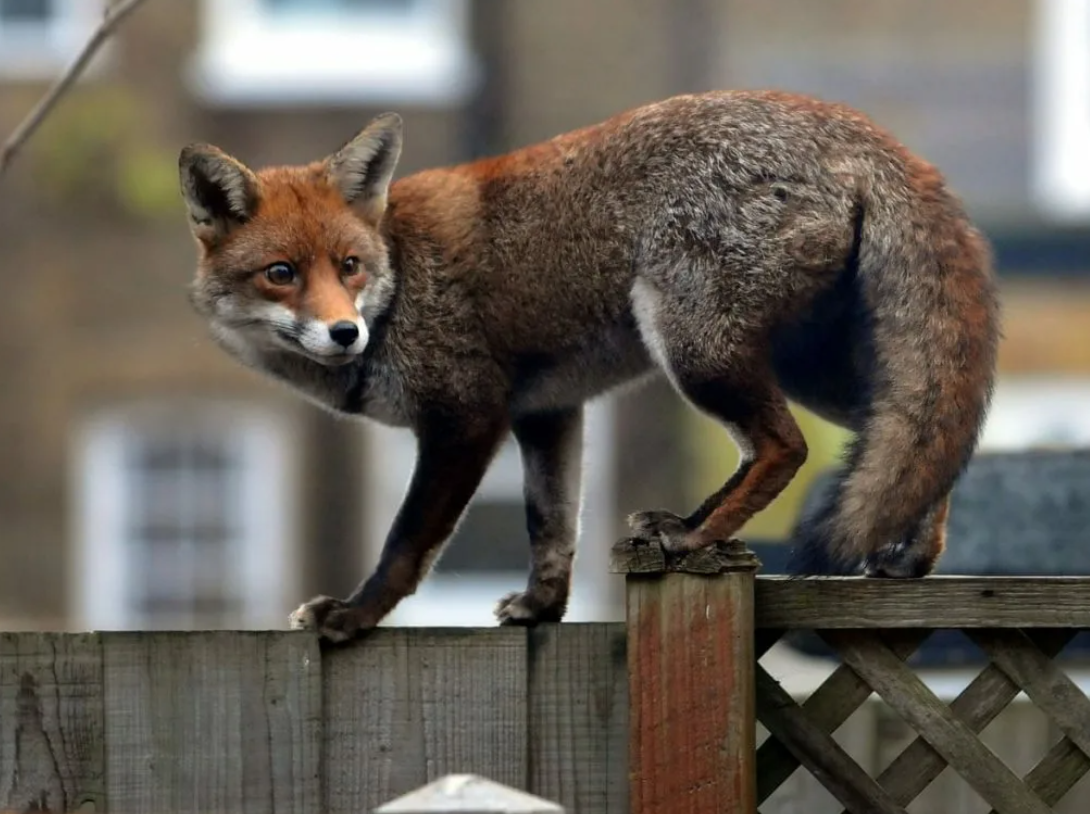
x: 708, y: 236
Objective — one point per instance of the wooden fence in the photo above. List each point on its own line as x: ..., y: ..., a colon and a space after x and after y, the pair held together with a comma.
x: 133, y: 723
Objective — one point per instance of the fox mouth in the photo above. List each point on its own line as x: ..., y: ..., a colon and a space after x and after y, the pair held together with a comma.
x: 329, y: 360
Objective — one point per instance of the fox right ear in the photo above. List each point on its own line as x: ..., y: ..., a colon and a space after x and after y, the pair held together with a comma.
x: 219, y: 191
x: 363, y: 168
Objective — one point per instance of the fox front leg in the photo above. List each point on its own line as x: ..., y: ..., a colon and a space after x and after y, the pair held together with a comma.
x: 551, y: 445
x: 452, y: 458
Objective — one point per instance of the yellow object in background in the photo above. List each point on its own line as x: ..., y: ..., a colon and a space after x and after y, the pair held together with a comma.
x: 714, y: 457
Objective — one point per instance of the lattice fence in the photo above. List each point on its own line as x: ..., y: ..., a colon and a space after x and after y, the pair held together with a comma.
x: 873, y: 659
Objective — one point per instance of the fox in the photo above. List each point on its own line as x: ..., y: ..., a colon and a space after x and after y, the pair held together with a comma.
x: 756, y: 248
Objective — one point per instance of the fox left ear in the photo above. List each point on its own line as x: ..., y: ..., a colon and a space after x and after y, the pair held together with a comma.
x: 363, y: 168
x: 219, y: 191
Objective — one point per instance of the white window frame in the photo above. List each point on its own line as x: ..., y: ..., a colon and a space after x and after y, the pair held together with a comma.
x: 1025, y: 407
x: 467, y: 600
x: 266, y: 563
x: 248, y: 57
x: 1060, y: 109
x: 41, y: 52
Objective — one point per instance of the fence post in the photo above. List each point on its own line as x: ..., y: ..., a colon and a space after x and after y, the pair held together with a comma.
x: 467, y: 794
x: 692, y: 725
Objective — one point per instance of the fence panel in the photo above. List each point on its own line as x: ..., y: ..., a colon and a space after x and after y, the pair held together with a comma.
x: 579, y: 717
x: 212, y: 721
x: 412, y: 705
x: 52, y: 743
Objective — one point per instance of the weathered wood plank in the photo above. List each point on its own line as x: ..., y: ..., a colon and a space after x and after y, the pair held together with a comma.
x: 1044, y: 683
x: 908, y: 774
x: 903, y: 690
x: 934, y: 602
x: 829, y: 706
x: 52, y: 744
x: 405, y: 706
x: 1057, y: 772
x: 578, y: 724
x: 633, y: 556
x: 818, y: 751
x: 690, y: 672
x: 213, y: 721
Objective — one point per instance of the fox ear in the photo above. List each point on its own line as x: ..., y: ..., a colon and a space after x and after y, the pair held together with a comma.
x: 362, y: 168
x: 219, y: 191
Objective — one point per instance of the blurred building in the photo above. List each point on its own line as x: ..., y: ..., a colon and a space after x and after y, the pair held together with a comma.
x: 149, y: 481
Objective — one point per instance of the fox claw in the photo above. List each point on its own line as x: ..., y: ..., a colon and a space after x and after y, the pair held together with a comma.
x: 526, y: 609
x: 333, y: 619
x: 665, y: 528
x: 899, y: 562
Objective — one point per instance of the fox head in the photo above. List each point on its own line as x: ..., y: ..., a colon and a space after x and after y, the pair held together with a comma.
x: 291, y: 257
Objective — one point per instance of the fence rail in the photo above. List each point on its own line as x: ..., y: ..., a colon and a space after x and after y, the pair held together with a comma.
x: 269, y: 722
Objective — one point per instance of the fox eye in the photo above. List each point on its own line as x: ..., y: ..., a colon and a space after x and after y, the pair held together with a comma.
x: 280, y: 274
x: 350, y: 266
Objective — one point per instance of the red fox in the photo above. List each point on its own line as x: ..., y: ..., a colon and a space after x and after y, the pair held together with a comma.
x: 751, y: 246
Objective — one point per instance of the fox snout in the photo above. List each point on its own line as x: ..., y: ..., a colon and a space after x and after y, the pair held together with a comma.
x: 344, y: 333
x: 330, y: 343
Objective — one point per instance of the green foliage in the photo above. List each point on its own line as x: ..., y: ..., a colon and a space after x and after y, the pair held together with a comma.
x: 147, y: 182
x: 97, y: 150
x: 715, y: 456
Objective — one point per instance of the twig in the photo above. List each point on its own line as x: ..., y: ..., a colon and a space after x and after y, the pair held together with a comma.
x: 110, y: 20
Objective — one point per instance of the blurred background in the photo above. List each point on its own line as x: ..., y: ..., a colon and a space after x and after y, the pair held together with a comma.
x: 149, y: 481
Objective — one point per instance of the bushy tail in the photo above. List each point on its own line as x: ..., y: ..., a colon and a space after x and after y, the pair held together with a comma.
x: 926, y: 279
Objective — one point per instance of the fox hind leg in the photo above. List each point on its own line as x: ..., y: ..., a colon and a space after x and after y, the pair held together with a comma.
x: 551, y: 446
x: 772, y: 450
x: 716, y: 363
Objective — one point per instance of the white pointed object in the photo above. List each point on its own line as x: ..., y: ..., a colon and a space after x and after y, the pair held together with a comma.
x: 468, y: 794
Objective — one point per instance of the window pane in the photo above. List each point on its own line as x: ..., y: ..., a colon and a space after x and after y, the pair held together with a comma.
x: 25, y: 11
x: 183, y: 525
x: 337, y: 7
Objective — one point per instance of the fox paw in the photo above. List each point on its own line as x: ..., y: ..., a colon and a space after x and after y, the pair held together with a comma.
x: 528, y: 609
x: 665, y: 528
x: 900, y: 561
x: 333, y: 619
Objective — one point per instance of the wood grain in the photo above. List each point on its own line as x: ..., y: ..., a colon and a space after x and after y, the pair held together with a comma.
x: 633, y: 556
x: 818, y: 751
x: 903, y: 690
x: 934, y: 602
x: 407, y: 706
x: 578, y: 733
x: 1057, y: 772
x: 829, y: 706
x: 1044, y: 683
x: 691, y: 664
x: 52, y: 743
x: 213, y: 721
x: 908, y: 774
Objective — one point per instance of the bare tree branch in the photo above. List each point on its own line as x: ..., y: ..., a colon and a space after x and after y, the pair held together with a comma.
x: 110, y: 20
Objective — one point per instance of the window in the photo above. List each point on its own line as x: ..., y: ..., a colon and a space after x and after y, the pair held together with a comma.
x: 1038, y: 411
x: 183, y: 520
x: 39, y: 38
x: 1060, y: 116
x: 489, y: 554
x: 323, y: 51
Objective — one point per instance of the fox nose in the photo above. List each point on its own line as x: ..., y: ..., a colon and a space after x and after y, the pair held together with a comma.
x: 344, y: 333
